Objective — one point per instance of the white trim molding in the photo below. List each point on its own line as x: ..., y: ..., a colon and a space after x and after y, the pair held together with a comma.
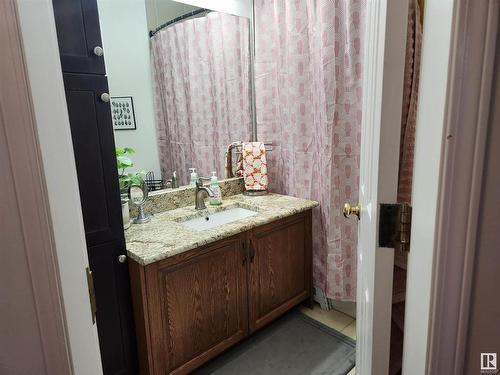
x: 33, y: 335
x: 456, y: 77
x: 472, y: 62
x: 37, y: 26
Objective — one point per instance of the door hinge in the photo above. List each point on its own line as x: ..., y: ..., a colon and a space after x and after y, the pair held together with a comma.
x: 90, y: 285
x: 395, y: 226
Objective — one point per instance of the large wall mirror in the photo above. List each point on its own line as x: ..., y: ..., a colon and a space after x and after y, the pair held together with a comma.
x: 180, y: 80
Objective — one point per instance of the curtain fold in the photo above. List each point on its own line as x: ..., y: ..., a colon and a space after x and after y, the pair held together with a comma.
x: 409, y: 113
x: 308, y: 99
x: 410, y: 102
x: 201, y: 89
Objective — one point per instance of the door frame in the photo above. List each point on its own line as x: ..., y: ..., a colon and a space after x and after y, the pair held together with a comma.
x: 440, y: 39
x: 43, y: 67
x: 33, y: 338
x: 456, y: 75
x: 459, y: 45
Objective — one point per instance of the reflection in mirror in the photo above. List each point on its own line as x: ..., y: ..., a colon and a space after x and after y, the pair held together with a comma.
x: 179, y: 79
x: 138, y: 195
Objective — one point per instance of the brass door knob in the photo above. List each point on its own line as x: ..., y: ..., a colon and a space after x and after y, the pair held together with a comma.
x: 351, y: 210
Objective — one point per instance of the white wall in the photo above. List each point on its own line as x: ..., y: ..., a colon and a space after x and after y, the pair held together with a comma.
x: 241, y: 8
x: 124, y: 33
x: 161, y: 11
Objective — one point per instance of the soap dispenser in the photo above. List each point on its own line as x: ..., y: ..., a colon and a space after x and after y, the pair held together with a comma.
x: 216, y: 200
x: 194, y: 177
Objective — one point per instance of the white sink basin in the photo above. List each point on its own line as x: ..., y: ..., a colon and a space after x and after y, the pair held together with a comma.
x: 219, y: 218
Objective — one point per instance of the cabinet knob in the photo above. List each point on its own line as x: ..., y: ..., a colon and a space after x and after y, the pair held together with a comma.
x: 98, y: 51
x: 105, y: 97
x: 122, y: 258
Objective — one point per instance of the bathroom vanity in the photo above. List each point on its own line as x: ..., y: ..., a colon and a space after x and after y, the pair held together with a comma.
x: 200, y: 280
x: 198, y: 291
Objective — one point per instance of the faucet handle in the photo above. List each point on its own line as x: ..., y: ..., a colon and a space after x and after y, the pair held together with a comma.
x: 200, y: 180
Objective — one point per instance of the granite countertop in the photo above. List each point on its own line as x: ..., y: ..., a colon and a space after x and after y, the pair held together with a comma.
x: 165, y: 235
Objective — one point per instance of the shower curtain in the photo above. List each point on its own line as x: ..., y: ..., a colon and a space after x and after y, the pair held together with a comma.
x: 409, y: 117
x: 309, y: 91
x: 201, y: 87
x: 410, y: 102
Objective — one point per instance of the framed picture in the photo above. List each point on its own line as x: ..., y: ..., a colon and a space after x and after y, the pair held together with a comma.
x: 122, y: 113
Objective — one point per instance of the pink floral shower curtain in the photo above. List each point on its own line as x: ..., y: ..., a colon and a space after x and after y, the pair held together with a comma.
x: 410, y: 101
x: 409, y: 115
x: 309, y: 90
x: 202, y: 92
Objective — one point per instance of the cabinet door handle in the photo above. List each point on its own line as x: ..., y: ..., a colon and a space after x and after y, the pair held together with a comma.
x: 122, y: 258
x: 244, y: 260
x: 252, y: 252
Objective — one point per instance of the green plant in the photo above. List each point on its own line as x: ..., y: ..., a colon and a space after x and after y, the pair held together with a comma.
x: 123, y: 162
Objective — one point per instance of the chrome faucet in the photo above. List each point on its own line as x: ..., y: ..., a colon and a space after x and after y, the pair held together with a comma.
x: 173, y: 181
x: 199, y: 195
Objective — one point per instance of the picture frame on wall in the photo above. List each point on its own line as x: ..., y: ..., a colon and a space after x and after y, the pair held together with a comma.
x: 122, y: 113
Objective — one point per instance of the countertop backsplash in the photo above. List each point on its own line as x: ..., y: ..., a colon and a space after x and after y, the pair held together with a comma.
x: 170, y: 199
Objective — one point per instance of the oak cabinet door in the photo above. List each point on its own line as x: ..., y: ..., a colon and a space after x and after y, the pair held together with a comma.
x: 203, y: 302
x: 280, y: 268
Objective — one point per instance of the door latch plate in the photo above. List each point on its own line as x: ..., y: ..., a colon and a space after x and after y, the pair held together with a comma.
x: 395, y: 226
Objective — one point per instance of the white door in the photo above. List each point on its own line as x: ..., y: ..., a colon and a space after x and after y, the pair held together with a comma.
x: 383, y: 71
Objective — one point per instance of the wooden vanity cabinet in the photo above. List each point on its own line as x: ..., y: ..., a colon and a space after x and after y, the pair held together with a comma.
x: 280, y: 268
x: 191, y: 307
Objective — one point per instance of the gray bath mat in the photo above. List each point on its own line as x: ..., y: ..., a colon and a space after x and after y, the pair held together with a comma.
x: 293, y: 345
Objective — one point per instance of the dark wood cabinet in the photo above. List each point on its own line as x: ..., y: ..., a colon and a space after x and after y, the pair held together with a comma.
x: 78, y: 33
x: 115, y: 320
x: 190, y: 307
x: 280, y: 268
x: 94, y: 148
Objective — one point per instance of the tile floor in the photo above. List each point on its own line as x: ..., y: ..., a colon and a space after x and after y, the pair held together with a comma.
x: 336, y: 320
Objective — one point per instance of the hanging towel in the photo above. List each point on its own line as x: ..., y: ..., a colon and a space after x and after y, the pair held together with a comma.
x: 229, y: 161
x: 254, y: 165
